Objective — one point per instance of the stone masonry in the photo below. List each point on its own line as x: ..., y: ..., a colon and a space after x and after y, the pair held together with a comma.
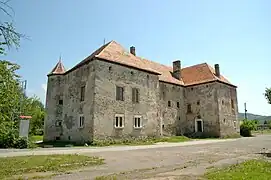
x: 114, y: 93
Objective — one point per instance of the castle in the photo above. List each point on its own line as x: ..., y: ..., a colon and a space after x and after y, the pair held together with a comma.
x: 114, y: 93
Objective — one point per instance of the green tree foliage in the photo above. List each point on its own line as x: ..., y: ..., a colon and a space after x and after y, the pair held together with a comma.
x: 33, y: 106
x: 267, y: 95
x: 13, y: 103
x: 247, y: 126
x: 9, y: 90
x: 9, y: 37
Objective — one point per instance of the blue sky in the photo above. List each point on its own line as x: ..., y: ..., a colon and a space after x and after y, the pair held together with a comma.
x: 235, y: 34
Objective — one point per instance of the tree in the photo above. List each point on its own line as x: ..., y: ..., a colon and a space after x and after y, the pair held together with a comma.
x: 9, y: 37
x: 9, y: 90
x: 33, y: 106
x: 267, y: 95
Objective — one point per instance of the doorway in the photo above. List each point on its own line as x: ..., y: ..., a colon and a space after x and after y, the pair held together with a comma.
x: 198, y: 125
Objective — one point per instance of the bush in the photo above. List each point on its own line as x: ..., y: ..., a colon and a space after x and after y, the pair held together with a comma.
x: 21, y: 143
x: 246, y: 128
x: 9, y: 137
x: 38, y: 132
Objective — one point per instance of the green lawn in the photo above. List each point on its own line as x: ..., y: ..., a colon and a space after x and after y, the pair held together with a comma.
x: 17, y: 166
x: 36, y: 138
x: 145, y: 141
x: 265, y: 131
x: 249, y: 170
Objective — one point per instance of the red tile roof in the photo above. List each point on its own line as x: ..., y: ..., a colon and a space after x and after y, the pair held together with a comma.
x: 58, y: 69
x: 192, y: 75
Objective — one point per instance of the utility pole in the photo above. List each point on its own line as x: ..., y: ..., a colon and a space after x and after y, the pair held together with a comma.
x: 245, y: 111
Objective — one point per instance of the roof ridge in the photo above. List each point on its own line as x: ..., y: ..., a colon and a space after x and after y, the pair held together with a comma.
x: 105, y: 46
x: 194, y: 65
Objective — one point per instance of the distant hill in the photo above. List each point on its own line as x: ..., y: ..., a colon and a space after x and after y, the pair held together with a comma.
x: 250, y: 116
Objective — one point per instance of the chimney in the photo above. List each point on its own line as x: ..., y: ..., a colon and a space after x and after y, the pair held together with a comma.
x: 177, y: 69
x: 217, y: 71
x: 132, y: 50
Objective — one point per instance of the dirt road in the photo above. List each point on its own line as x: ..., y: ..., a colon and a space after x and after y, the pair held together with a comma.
x: 171, y: 161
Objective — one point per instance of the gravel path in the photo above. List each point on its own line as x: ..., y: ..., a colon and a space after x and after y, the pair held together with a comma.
x: 185, y: 160
x: 162, y: 161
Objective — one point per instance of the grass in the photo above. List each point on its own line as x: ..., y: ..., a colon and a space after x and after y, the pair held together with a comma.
x: 120, y: 142
x: 142, y: 141
x: 265, y: 131
x: 252, y: 169
x: 36, y: 138
x: 106, y: 178
x: 18, y: 166
x: 131, y: 141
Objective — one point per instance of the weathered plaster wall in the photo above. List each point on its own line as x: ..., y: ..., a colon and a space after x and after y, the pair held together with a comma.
x: 172, y: 117
x: 72, y: 107
x: 109, y: 75
x: 228, y: 113
x: 204, y: 105
x: 54, y: 111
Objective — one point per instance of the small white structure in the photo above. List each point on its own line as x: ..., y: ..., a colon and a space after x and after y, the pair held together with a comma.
x: 24, y: 126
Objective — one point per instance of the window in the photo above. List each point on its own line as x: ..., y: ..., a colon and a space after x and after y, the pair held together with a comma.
x: 169, y: 104
x: 178, y: 105
x: 137, y: 122
x: 198, y: 102
x: 81, y: 121
x: 222, y: 102
x: 82, y: 98
x: 58, y: 123
x: 232, y: 104
x: 189, y: 110
x: 135, y: 95
x: 234, y: 124
x: 179, y: 118
x: 60, y: 102
x: 119, y: 93
x: 119, y: 121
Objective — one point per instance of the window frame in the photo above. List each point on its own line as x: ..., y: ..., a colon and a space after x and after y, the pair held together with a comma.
x: 169, y: 103
x: 189, y: 108
x: 135, y: 95
x: 178, y: 104
x: 135, y: 120
x: 58, y: 123
x: 121, y: 97
x: 60, y: 102
x: 117, y: 123
x: 82, y: 93
x: 81, y: 121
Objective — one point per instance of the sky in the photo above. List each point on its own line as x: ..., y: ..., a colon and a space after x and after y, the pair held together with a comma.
x: 234, y: 34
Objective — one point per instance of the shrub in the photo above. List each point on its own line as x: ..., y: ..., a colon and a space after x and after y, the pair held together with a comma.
x: 21, y: 143
x: 38, y: 132
x: 246, y: 128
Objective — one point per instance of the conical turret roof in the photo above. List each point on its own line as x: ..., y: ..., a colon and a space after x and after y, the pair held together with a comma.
x: 58, y: 69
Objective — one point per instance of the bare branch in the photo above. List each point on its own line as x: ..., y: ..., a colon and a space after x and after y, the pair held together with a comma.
x: 4, y: 5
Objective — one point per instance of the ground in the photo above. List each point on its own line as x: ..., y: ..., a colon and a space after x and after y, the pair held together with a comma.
x: 164, y: 161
